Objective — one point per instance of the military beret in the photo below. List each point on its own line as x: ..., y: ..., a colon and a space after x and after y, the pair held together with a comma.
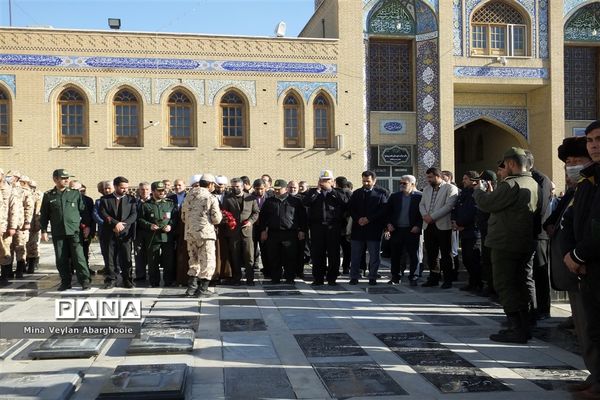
x: 515, y: 151
x: 488, y: 175
x: 572, y: 147
x: 61, y: 173
x: 280, y: 183
x: 158, y: 185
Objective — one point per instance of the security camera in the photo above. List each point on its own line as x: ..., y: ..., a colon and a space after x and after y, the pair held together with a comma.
x: 280, y: 29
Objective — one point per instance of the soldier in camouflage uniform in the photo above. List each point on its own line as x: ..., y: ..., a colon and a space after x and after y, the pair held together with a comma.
x: 33, y: 256
x: 3, y: 214
x: 200, y: 213
x: 14, y: 221
x: 21, y: 190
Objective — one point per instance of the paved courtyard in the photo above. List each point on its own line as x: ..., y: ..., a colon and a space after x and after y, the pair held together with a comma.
x: 284, y: 341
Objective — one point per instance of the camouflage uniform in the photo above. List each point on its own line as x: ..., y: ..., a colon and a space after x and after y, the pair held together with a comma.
x: 34, y: 232
x: 14, y: 220
x: 21, y: 237
x: 200, y: 212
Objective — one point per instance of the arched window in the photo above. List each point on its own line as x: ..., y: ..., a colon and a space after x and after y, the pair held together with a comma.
x: 234, y: 126
x: 181, y: 120
x: 127, y: 123
x: 323, y: 122
x: 498, y: 29
x: 4, y: 118
x: 72, y: 128
x: 293, y: 121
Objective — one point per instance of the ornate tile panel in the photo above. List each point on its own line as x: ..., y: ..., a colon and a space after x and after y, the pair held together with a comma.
x: 543, y: 28
x: 87, y: 83
x: 428, y: 107
x: 570, y: 5
x: 516, y: 118
x: 214, y: 86
x: 583, y: 26
x: 167, y: 64
x: 500, y: 72
x: 530, y: 7
x: 196, y: 86
x: 11, y: 82
x: 142, y: 85
x: 426, y: 18
x: 458, y: 27
x: 307, y: 89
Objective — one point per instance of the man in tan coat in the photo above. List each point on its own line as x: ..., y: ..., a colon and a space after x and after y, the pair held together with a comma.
x: 33, y: 256
x: 14, y: 221
x: 200, y: 213
x: 24, y: 196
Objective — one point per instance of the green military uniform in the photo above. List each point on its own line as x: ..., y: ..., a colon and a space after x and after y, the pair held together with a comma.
x: 158, y: 243
x: 511, y: 237
x: 64, y: 210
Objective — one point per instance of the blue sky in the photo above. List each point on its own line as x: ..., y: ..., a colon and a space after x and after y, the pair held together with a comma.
x: 231, y: 17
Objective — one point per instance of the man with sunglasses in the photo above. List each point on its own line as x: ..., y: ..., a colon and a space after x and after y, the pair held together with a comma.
x: 64, y: 209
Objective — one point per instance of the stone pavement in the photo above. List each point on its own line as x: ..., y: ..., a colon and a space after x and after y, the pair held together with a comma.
x: 284, y: 341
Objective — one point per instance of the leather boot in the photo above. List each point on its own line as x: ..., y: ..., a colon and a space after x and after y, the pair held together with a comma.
x: 203, y: 289
x: 192, y: 286
x: 518, y: 332
x: 20, y: 269
x: 32, y: 264
x: 4, y: 272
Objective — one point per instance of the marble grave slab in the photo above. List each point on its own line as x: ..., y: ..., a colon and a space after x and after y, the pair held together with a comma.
x: 68, y: 348
x: 242, y: 325
x: 7, y: 346
x: 160, y: 340
x: 552, y: 377
x: 257, y: 383
x: 39, y: 386
x: 329, y: 345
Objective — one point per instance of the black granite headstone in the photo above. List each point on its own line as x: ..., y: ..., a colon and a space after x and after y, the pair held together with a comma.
x: 257, y: 383
x: 283, y: 292
x: 171, y: 322
x: 552, y: 377
x: 409, y: 341
x: 329, y: 345
x: 144, y: 382
x: 242, y: 325
x: 445, y: 320
x: 346, y: 380
x: 461, y: 380
x: 162, y: 340
x: 237, y: 302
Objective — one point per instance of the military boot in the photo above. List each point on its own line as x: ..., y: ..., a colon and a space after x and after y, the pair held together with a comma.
x: 519, y: 331
x: 9, y: 271
x: 192, y: 288
x: 20, y: 269
x: 32, y: 264
x: 203, y: 289
x: 4, y: 272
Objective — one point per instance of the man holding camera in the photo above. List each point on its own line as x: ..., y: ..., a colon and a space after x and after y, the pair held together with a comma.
x: 512, y: 206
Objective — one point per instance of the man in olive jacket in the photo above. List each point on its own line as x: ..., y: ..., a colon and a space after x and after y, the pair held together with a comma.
x: 512, y: 206
x: 64, y: 209
x: 157, y: 219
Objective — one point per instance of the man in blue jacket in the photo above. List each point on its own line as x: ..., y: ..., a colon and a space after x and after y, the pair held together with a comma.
x: 367, y: 209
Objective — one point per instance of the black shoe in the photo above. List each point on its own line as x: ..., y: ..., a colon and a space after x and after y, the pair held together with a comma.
x: 446, y: 285
x: 109, y: 285
x: 317, y: 283
x: 332, y: 283
x: 85, y: 286
x: 542, y: 316
x: 430, y: 283
x: 394, y: 281
x: 353, y: 282
x: 509, y: 336
x: 128, y: 284
x: 372, y: 282
x: 63, y: 287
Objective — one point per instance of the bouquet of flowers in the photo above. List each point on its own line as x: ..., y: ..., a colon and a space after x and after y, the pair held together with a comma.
x: 229, y: 219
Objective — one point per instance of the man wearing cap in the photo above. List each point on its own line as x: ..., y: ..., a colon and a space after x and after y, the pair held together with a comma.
x: 32, y: 247
x: 463, y: 219
x: 282, y: 222
x: 512, y: 206
x: 240, y: 246
x: 200, y: 213
x: 63, y: 208
x: 21, y: 187
x: 326, y: 208
x: 157, y: 218
x: 119, y: 213
x: 582, y: 238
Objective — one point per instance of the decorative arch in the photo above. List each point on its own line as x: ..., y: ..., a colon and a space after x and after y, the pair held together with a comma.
x: 307, y: 89
x: 215, y: 89
x: 164, y: 87
x: 181, y: 126
x: 109, y: 86
x: 235, y: 119
x: 323, y: 120
x: 570, y: 7
x: 513, y: 121
x: 583, y: 23
x: 293, y: 119
x: 392, y: 17
x: 422, y: 12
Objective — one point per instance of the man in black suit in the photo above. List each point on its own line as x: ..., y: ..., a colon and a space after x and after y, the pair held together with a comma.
x: 119, y: 213
x: 367, y: 209
x: 180, y: 250
x: 244, y: 209
x: 404, y: 228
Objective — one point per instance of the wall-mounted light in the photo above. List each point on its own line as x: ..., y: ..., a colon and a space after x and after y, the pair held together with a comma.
x: 114, y: 23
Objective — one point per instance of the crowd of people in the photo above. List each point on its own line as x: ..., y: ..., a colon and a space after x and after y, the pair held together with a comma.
x: 517, y: 239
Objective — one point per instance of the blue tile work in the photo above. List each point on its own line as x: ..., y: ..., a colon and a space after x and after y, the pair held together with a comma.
x: 11, y: 82
x: 307, y: 89
x: 570, y: 5
x: 581, y: 25
x: 543, y: 28
x: 426, y: 18
x: 392, y: 17
x: 458, y: 27
x: 529, y: 5
x: 167, y: 64
x: 515, y: 118
x: 428, y: 106
x: 500, y: 72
